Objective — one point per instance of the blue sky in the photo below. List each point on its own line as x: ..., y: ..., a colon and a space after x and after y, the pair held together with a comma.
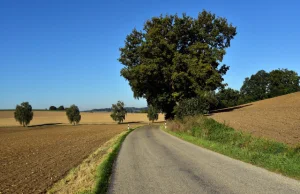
x: 57, y: 52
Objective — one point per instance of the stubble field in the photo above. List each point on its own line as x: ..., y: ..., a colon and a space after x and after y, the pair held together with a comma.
x: 34, y: 158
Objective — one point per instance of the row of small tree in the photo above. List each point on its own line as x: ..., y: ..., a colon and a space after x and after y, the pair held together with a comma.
x: 55, y: 108
x: 24, y: 114
x: 119, y: 112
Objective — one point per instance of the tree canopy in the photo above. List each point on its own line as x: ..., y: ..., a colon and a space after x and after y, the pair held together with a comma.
x: 73, y: 114
x: 264, y: 85
x: 61, y: 107
x: 175, y: 58
x: 118, y: 112
x: 227, y: 98
x: 52, y: 108
x: 283, y: 81
x: 23, y: 113
x: 256, y: 87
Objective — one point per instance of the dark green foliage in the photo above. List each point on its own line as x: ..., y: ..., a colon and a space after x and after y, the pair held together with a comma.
x: 23, y: 113
x: 152, y: 113
x: 176, y: 58
x: 283, y: 81
x: 272, y: 155
x: 118, y: 112
x: 61, y: 108
x: 264, y: 85
x: 192, y: 107
x: 52, y: 108
x: 228, y: 98
x: 256, y: 87
x: 73, y: 114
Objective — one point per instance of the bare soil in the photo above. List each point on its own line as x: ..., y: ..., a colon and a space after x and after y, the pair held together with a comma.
x: 276, y: 118
x: 33, y: 158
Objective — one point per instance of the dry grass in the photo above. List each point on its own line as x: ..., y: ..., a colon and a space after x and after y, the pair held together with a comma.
x: 82, y: 178
x: 50, y: 117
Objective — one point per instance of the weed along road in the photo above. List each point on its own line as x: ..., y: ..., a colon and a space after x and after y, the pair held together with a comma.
x: 152, y: 161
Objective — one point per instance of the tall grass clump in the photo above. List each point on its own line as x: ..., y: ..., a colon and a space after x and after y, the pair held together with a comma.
x: 206, y: 132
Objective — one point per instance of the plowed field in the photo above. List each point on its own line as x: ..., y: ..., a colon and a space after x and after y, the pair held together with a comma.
x: 33, y: 158
x: 276, y: 118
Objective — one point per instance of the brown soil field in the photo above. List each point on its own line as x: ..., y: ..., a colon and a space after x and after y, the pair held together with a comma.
x: 33, y: 158
x: 276, y: 118
x: 59, y: 117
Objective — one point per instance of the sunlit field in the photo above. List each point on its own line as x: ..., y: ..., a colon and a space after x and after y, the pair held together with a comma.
x: 59, y: 117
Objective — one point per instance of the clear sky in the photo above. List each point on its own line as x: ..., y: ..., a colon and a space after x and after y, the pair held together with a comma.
x: 55, y: 52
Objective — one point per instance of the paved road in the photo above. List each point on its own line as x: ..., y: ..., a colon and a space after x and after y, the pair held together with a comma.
x: 152, y: 161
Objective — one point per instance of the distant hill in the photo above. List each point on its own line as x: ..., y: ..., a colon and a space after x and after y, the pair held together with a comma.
x: 129, y: 110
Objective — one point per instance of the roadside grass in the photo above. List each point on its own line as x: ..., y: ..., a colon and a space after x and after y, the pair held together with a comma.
x: 105, y: 169
x: 93, y: 175
x: 206, y: 132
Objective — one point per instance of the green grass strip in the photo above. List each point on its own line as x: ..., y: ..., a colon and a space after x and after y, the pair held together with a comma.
x: 104, y: 170
x: 271, y: 155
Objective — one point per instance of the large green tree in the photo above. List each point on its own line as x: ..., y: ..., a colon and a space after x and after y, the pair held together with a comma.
x: 23, y: 113
x: 175, y: 58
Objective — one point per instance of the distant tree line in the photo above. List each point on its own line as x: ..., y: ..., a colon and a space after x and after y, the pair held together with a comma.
x: 59, y: 108
x: 24, y: 114
x: 260, y: 86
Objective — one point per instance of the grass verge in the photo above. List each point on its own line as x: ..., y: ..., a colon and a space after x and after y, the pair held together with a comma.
x: 92, y: 176
x: 205, y: 132
x: 105, y: 168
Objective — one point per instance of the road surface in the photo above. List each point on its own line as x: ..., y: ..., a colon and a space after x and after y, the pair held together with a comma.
x: 152, y: 161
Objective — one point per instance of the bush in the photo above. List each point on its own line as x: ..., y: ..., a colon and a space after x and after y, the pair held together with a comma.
x: 23, y: 114
x: 73, y: 114
x: 192, y: 107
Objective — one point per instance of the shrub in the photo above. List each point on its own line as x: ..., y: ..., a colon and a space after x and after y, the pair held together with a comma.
x: 23, y: 114
x: 73, y: 114
x: 191, y: 107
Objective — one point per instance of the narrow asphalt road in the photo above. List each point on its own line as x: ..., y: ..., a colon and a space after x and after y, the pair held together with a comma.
x: 152, y: 161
